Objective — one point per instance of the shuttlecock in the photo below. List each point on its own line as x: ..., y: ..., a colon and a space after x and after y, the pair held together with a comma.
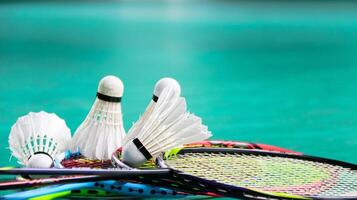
x: 102, y: 132
x: 164, y: 125
x: 160, y: 85
x: 36, y: 138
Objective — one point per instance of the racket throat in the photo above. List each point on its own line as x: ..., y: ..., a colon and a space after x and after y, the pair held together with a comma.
x: 135, y: 154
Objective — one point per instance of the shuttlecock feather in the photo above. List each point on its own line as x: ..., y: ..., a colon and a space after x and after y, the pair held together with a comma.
x: 167, y: 125
x: 102, y: 131
x: 36, y: 138
x: 175, y: 91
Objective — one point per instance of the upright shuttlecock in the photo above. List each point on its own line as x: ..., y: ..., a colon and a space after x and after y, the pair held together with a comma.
x: 36, y: 138
x: 164, y: 125
x: 102, y: 132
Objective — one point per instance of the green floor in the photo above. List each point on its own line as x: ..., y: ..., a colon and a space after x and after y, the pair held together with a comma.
x: 270, y: 72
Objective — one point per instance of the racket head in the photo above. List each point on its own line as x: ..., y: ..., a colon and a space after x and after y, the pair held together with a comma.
x: 195, y: 188
x: 229, y: 171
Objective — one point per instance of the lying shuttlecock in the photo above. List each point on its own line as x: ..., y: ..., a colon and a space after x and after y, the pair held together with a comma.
x: 102, y: 132
x: 163, y: 83
x: 165, y: 126
x: 36, y: 138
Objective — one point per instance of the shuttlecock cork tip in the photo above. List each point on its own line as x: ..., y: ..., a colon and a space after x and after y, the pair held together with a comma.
x: 165, y: 83
x: 111, y: 86
x: 40, y: 160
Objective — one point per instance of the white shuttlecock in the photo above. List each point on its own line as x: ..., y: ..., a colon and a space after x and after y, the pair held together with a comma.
x: 160, y: 85
x: 165, y: 126
x: 36, y: 138
x: 102, y: 132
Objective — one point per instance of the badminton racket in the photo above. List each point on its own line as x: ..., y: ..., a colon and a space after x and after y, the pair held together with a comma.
x: 245, y: 173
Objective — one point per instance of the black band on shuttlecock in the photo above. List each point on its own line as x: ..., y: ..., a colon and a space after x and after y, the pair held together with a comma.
x: 142, y: 149
x: 155, y: 98
x: 108, y: 98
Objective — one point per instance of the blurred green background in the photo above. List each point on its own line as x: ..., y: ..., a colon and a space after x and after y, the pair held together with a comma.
x: 275, y: 72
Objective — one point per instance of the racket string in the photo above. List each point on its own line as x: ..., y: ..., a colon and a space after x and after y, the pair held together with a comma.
x: 276, y: 174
